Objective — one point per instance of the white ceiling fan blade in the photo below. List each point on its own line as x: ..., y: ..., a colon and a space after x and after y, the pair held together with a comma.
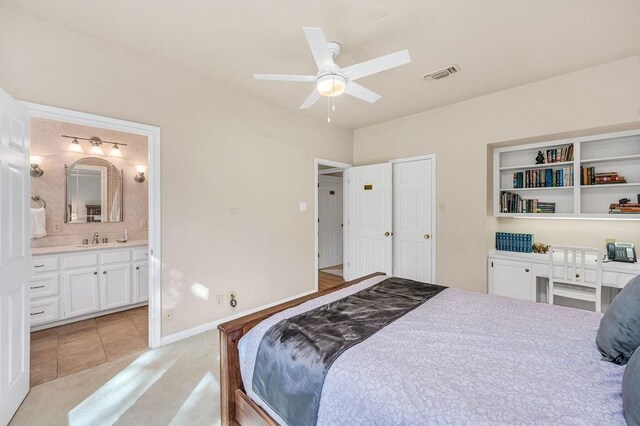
x: 285, y: 77
x: 311, y: 100
x: 318, y: 45
x: 377, y: 65
x: 360, y: 92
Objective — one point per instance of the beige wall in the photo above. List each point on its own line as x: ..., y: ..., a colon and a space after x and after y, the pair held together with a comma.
x: 221, y: 149
x: 460, y: 135
x: 46, y: 141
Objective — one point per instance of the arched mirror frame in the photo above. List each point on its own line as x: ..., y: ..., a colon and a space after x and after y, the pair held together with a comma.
x: 67, y: 170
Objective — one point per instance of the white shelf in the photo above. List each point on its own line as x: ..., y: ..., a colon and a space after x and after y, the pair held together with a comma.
x: 610, y: 185
x: 608, y: 159
x: 542, y: 188
x: 614, y: 152
x: 538, y: 166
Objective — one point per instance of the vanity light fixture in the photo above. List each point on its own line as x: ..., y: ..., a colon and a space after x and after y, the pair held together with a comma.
x: 96, y: 145
x: 35, y: 161
x: 75, y: 146
x: 141, y: 168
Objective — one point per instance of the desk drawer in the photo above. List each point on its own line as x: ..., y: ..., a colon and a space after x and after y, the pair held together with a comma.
x: 115, y: 256
x: 43, y: 285
x: 616, y: 279
x: 44, y: 264
x: 45, y: 310
x: 80, y: 260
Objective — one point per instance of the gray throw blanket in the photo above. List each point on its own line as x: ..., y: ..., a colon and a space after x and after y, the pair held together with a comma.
x: 295, y: 354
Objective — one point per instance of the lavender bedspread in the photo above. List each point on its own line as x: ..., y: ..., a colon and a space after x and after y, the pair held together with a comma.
x: 464, y: 358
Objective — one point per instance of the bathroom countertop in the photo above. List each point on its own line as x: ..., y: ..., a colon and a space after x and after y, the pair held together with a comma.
x: 81, y: 248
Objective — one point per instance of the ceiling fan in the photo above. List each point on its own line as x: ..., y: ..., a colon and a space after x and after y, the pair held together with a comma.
x: 333, y: 80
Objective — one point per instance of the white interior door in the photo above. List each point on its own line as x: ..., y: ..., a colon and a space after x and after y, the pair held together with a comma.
x: 329, y: 221
x: 14, y: 256
x: 369, y: 220
x: 412, y: 221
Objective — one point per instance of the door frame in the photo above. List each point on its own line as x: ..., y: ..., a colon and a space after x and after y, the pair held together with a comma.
x: 154, y: 177
x: 338, y: 166
x: 434, y: 208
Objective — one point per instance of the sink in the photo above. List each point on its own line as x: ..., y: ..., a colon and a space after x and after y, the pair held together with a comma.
x: 101, y: 245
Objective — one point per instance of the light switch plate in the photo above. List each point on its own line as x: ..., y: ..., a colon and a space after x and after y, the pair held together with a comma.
x: 303, y: 206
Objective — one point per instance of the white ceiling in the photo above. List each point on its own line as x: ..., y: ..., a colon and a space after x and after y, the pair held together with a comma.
x: 498, y: 43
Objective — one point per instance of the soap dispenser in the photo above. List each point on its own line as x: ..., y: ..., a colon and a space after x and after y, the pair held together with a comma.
x: 126, y: 236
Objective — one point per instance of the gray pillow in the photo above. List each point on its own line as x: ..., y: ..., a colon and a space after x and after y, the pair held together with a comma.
x: 619, y: 332
x: 631, y: 390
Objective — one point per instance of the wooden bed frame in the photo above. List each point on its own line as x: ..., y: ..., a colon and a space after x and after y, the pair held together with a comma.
x: 235, y: 406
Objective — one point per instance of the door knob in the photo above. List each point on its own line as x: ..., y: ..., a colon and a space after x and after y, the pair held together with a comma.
x: 427, y: 236
x: 386, y: 234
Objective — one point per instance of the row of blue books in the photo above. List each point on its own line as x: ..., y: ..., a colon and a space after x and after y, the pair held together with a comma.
x: 508, y: 241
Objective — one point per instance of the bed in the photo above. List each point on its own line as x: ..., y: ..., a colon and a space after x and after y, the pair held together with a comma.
x: 460, y: 357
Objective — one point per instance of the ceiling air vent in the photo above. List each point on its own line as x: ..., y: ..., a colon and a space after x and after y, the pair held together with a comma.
x: 443, y: 73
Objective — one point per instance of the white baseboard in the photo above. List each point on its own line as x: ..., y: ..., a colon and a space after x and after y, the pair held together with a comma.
x: 175, y: 337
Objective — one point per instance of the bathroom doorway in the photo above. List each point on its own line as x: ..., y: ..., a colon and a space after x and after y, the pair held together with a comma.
x: 95, y: 215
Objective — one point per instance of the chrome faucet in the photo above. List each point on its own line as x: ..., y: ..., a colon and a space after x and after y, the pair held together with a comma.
x: 95, y: 239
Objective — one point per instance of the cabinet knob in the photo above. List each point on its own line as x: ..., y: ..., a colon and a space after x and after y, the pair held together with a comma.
x: 427, y: 236
x: 526, y: 269
x: 104, y: 272
x: 386, y: 234
x: 577, y: 275
x: 137, y: 268
x: 95, y: 273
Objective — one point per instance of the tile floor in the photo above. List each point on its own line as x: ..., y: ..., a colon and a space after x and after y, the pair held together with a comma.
x: 60, y: 351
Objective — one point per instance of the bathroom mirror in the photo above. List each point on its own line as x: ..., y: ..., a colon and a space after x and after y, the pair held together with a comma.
x: 93, y: 192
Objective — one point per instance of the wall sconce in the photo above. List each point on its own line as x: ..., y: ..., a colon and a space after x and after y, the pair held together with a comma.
x: 35, y: 161
x: 140, y: 176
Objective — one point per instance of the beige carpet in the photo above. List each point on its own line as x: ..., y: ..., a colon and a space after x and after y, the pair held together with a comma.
x: 177, y: 384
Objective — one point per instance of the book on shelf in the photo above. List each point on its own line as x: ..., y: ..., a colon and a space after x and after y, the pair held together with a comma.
x: 629, y: 208
x: 543, y: 178
x: 590, y: 177
x: 508, y: 241
x: 514, y: 203
x: 559, y: 155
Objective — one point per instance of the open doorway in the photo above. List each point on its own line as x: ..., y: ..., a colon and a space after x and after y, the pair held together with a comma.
x: 89, y: 247
x: 330, y: 210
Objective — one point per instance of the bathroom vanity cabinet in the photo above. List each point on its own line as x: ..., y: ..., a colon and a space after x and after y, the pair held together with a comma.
x: 87, y: 282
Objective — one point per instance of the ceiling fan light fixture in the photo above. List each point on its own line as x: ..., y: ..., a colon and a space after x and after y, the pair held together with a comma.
x: 331, y: 85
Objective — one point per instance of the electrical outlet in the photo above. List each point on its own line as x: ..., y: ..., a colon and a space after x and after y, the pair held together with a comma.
x: 57, y: 227
x: 219, y: 300
x: 143, y: 224
x: 441, y: 205
x: 168, y: 314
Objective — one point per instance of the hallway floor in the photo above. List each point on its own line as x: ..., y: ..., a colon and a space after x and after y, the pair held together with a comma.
x: 66, y: 349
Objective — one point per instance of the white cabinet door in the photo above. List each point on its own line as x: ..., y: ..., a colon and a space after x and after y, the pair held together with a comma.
x: 81, y: 292
x: 370, y: 220
x: 412, y: 228
x: 140, y: 282
x: 511, y: 279
x: 115, y: 286
x: 14, y: 255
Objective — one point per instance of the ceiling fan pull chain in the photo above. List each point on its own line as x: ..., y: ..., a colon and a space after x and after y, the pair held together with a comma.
x: 328, y: 111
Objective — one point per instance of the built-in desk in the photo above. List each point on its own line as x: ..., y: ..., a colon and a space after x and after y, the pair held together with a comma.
x: 525, y: 275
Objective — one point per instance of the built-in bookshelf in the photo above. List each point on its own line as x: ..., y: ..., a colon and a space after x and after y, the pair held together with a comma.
x: 578, y: 178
